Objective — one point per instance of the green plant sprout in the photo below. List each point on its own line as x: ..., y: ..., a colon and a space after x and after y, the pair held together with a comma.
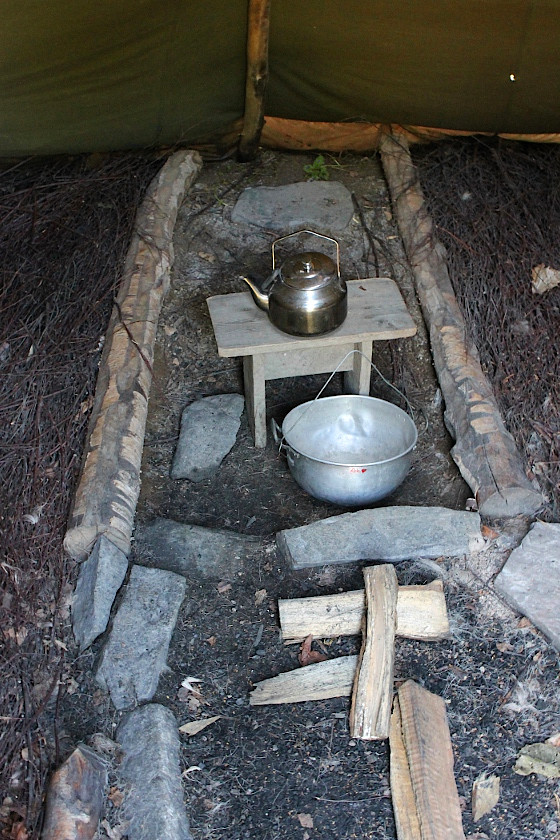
x: 319, y: 169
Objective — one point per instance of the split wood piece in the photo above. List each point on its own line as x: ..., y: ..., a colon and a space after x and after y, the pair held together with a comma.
x: 421, y: 614
x: 256, y: 79
x: 107, y: 494
x: 75, y: 797
x: 372, y: 694
x: 423, y: 788
x: 484, y: 451
x: 332, y: 678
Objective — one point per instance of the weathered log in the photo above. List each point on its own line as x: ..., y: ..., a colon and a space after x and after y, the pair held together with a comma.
x: 372, y: 693
x: 256, y: 78
x: 106, y: 497
x: 332, y: 678
x: 75, y: 797
x: 423, y: 786
x: 421, y: 614
x: 484, y: 450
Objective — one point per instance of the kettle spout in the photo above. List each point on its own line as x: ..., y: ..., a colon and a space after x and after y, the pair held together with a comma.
x: 259, y: 295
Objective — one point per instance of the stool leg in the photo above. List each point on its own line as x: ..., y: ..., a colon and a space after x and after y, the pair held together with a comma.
x: 255, y: 397
x: 356, y: 381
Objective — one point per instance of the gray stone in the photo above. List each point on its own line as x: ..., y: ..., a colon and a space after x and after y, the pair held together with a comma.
x: 391, y: 534
x: 150, y: 775
x: 136, y: 650
x: 208, y: 431
x: 530, y: 579
x: 191, y: 550
x: 99, y: 580
x: 324, y: 205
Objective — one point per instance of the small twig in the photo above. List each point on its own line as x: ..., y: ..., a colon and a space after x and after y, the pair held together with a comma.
x: 367, y: 231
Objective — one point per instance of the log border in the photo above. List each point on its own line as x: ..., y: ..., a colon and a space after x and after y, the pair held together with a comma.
x: 109, y: 485
x: 484, y: 451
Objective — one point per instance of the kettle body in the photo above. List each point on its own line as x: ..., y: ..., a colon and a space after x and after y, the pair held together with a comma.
x: 305, y: 296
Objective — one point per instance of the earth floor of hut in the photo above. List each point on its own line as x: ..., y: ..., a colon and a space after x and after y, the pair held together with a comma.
x: 294, y: 771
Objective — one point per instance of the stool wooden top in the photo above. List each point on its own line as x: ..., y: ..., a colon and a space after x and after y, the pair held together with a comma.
x: 376, y: 312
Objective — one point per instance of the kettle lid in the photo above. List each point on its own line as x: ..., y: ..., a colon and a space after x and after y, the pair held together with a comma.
x: 308, y: 270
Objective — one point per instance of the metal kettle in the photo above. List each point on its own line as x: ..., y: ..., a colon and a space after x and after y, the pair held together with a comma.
x: 305, y: 295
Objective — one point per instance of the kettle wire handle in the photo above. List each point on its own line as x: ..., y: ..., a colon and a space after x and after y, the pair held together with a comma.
x: 313, y: 233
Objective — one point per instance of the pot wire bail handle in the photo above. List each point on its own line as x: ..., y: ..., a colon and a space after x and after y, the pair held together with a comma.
x: 313, y: 233
x: 279, y: 436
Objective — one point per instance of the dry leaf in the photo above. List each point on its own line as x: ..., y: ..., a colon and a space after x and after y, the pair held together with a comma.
x: 211, y: 641
x: 116, y: 796
x: 19, y: 832
x: 544, y: 278
x: 71, y: 685
x: 308, y: 656
x: 542, y: 759
x: 193, y: 704
x: 223, y: 587
x: 208, y: 257
x: 196, y: 726
x: 305, y: 820
x: 525, y: 624
x: 504, y: 647
x: 188, y: 683
x: 34, y: 516
x: 485, y: 795
x: 260, y: 596
x: 489, y: 533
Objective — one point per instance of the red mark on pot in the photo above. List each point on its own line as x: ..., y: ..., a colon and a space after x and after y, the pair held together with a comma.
x: 358, y: 469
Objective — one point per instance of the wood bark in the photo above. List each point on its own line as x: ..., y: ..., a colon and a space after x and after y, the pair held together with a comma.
x: 75, y: 797
x: 332, y: 678
x: 256, y: 79
x: 303, y: 135
x: 484, y: 450
x: 423, y: 787
x: 372, y: 694
x: 421, y: 614
x: 107, y: 493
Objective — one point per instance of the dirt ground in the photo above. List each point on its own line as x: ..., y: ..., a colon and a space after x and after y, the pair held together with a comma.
x: 284, y: 772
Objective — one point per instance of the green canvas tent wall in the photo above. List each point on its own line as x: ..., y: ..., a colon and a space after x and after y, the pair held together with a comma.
x: 78, y: 75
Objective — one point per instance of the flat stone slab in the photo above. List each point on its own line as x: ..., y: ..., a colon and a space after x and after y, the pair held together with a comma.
x: 530, y: 579
x: 322, y: 205
x: 208, y: 432
x: 391, y: 534
x: 193, y: 550
x: 99, y: 580
x: 150, y: 775
x: 136, y: 650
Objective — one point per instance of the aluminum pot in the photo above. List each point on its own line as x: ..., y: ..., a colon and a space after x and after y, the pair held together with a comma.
x: 349, y: 450
x: 306, y: 294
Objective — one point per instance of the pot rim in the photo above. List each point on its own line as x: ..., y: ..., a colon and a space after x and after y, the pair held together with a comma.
x: 352, y: 397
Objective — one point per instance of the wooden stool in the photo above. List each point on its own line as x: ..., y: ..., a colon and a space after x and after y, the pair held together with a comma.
x: 376, y: 312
